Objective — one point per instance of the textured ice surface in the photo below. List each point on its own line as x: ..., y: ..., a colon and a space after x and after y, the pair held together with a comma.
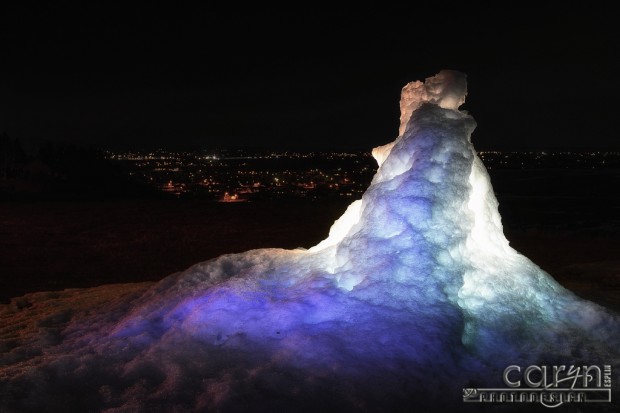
x: 414, y: 295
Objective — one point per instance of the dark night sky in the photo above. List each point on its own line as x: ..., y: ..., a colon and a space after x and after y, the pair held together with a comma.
x: 189, y: 76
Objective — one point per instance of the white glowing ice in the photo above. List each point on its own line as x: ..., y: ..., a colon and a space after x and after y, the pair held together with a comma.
x: 414, y: 295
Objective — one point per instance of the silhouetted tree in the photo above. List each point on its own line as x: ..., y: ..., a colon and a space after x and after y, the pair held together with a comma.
x: 84, y: 171
x: 12, y: 156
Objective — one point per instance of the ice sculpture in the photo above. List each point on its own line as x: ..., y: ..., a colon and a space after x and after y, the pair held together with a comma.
x: 415, y: 295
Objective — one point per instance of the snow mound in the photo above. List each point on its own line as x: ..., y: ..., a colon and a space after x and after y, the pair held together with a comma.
x: 415, y: 295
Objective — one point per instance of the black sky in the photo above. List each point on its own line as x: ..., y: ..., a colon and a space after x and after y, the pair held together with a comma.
x: 164, y: 74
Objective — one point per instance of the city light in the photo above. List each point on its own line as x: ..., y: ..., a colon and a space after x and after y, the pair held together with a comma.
x: 251, y: 175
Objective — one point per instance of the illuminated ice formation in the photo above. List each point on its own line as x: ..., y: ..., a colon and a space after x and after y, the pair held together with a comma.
x: 414, y: 295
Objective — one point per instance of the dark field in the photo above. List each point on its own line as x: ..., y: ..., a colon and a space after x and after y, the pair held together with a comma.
x: 54, y: 245
x: 566, y: 222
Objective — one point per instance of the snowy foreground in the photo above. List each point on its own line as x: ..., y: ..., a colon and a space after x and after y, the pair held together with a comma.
x: 414, y: 296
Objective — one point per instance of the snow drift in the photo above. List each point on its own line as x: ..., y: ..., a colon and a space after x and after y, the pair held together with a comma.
x: 415, y: 295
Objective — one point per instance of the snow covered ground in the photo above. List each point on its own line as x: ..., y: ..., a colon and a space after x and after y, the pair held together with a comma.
x: 415, y: 295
